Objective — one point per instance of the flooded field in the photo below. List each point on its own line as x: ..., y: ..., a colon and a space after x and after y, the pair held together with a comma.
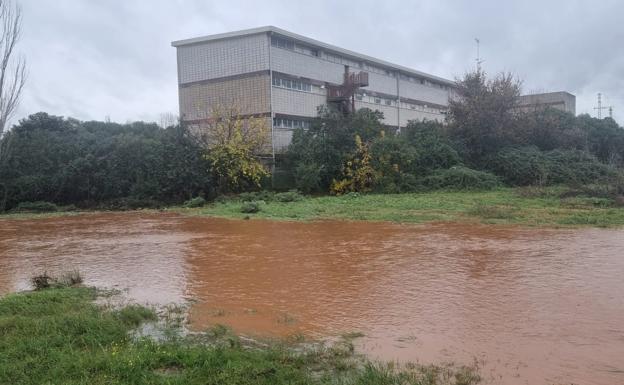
x: 533, y: 306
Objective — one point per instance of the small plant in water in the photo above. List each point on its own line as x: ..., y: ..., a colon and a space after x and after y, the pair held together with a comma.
x: 45, y: 281
x: 42, y: 281
x: 71, y: 278
x: 286, y: 319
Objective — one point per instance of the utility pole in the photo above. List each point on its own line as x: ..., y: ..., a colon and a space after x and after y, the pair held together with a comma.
x: 601, y: 107
x: 478, y: 59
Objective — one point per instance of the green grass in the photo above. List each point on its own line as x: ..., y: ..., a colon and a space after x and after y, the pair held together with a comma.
x: 502, y: 206
x: 60, y: 336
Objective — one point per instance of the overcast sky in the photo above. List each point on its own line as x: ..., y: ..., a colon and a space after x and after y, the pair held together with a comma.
x: 90, y: 59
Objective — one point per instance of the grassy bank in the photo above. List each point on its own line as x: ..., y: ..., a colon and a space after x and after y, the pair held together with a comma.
x: 543, y: 207
x: 60, y: 336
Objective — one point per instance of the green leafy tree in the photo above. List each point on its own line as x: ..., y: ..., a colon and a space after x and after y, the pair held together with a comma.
x: 66, y: 161
x: 482, y: 117
x: 318, y: 154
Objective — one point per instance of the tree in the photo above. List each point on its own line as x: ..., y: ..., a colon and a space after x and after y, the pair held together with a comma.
x: 12, y: 72
x: 358, y: 175
x: 232, y: 144
x: 318, y: 154
x: 481, y: 118
x: 65, y: 161
x: 227, y: 126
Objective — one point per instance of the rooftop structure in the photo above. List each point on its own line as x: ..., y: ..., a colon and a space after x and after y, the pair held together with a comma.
x: 560, y: 100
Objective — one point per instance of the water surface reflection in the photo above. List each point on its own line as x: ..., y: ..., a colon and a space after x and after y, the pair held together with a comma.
x: 538, y: 306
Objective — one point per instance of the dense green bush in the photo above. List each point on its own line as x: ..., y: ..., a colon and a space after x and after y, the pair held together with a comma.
x: 521, y: 166
x: 317, y: 155
x: 576, y: 167
x: 250, y: 207
x: 308, y: 177
x: 263, y: 195
x: 433, y: 148
x: 65, y: 161
x: 195, y: 202
x: 36, y: 207
x: 289, y: 196
x: 530, y: 166
x: 461, y: 178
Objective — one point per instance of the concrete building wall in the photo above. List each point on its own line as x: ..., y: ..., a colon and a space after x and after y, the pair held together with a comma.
x: 426, y: 93
x: 282, y: 138
x: 381, y: 83
x: 298, y: 103
x: 563, y: 101
x: 222, y: 58
x: 390, y: 112
x: 251, y: 95
x: 409, y: 114
x: 310, y: 67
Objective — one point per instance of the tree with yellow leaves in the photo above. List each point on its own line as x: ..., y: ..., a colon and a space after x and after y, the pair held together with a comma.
x: 233, y: 145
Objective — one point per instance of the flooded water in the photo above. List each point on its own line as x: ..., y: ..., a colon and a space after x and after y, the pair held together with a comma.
x: 534, y: 306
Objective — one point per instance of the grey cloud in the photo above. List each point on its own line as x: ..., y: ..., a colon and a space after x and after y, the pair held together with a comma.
x: 90, y: 59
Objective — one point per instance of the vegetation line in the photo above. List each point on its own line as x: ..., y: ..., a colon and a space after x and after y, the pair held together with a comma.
x: 551, y: 207
x: 59, y: 335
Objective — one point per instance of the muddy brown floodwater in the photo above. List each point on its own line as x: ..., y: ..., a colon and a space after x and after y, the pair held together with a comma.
x: 534, y: 306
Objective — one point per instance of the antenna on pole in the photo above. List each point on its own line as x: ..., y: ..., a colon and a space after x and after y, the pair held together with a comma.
x: 478, y: 59
x: 601, y: 107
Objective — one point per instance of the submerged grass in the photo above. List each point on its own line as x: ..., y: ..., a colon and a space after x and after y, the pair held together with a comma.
x: 60, y: 336
x: 535, y: 207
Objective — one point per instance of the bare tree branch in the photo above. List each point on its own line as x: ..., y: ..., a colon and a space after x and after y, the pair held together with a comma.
x: 12, y: 71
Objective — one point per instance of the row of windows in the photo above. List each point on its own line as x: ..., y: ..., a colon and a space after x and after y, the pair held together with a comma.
x: 393, y: 102
x: 292, y: 84
x: 290, y: 123
x: 290, y: 45
x: 375, y: 99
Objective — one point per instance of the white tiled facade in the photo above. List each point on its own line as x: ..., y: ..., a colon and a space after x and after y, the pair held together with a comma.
x: 274, y: 73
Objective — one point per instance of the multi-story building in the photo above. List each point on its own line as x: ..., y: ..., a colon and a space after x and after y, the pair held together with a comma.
x: 561, y: 100
x: 283, y: 77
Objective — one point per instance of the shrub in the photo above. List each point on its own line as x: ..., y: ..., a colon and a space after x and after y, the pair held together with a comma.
x: 263, y: 195
x: 290, y: 196
x: 530, y: 166
x: 195, y: 202
x: 250, y: 207
x: 36, y: 207
x: 45, y: 281
x: 308, y: 177
x: 42, y: 281
x: 576, y: 167
x: 70, y: 278
x: 461, y: 178
x: 130, y: 204
x: 521, y: 166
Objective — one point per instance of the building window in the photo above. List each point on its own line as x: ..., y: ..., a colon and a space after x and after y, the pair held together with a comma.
x: 359, y: 97
x: 282, y: 43
x: 290, y: 123
x: 292, y: 84
x: 377, y: 100
x: 388, y: 102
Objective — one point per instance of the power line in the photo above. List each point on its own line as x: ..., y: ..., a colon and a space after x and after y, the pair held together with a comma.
x: 600, y: 107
